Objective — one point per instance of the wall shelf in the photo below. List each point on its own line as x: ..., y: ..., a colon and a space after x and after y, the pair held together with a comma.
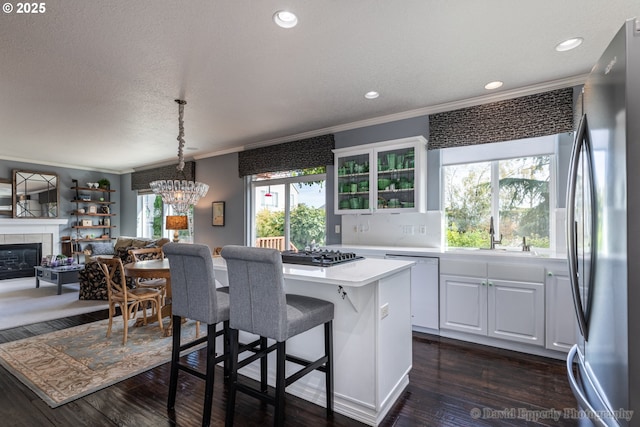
x: 85, y: 198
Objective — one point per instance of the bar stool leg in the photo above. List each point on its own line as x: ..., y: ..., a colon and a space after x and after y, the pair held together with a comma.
x: 208, y: 388
x: 225, y: 349
x: 175, y: 356
x: 263, y: 366
x: 281, y: 357
x: 328, y: 351
x: 233, y: 376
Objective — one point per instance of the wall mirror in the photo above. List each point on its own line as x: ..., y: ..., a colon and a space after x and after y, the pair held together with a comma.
x: 6, y: 201
x: 35, y: 194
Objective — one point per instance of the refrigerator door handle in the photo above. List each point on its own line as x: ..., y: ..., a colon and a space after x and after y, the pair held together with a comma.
x: 583, y: 402
x: 575, y: 248
x: 571, y: 230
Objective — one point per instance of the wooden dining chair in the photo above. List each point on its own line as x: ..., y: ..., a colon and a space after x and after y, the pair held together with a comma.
x: 143, y: 254
x: 130, y: 301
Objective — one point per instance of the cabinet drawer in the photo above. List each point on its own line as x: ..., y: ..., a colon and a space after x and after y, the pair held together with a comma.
x: 517, y: 272
x: 463, y: 268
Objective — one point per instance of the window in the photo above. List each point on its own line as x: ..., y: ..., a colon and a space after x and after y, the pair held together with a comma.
x: 151, y: 219
x: 288, y: 210
x: 515, y: 191
x: 468, y: 204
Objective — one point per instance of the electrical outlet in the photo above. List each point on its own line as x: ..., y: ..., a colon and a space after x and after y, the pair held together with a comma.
x: 423, y: 229
x: 384, y: 310
x: 337, y: 229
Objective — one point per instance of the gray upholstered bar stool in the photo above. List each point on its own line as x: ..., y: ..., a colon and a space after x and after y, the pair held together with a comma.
x: 259, y: 305
x: 194, y: 296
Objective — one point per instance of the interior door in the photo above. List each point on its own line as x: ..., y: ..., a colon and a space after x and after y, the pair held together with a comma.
x: 581, y: 220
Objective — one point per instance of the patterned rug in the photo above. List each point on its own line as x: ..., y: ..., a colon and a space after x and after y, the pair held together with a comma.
x: 65, y: 365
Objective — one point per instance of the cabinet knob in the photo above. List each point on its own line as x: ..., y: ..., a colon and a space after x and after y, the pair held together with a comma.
x: 490, y: 283
x: 550, y: 273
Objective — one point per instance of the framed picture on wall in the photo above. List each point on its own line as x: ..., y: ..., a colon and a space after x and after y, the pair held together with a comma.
x: 218, y: 213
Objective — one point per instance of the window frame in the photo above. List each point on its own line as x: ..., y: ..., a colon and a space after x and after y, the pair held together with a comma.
x: 186, y: 236
x: 252, y: 183
x: 494, y: 153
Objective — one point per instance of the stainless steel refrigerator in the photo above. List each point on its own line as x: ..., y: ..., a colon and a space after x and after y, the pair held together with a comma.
x: 603, y: 235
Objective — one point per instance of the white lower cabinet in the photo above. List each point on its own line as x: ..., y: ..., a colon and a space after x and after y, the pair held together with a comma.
x: 516, y: 311
x: 503, y: 301
x: 463, y: 304
x: 499, y: 303
x: 561, y: 325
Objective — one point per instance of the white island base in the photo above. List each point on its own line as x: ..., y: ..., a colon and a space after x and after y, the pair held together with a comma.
x: 371, y: 335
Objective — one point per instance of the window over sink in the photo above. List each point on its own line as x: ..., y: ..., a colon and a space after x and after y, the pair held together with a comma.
x: 512, y: 182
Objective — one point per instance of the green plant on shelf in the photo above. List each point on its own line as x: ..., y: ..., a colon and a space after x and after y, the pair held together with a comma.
x: 104, y: 183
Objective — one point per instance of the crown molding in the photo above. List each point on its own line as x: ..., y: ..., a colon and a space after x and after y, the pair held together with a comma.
x: 63, y: 165
x: 439, y: 108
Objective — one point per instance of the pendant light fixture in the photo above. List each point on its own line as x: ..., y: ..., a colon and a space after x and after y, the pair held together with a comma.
x: 180, y: 193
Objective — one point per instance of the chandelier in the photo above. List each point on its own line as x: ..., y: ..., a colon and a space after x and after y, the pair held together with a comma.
x: 180, y: 193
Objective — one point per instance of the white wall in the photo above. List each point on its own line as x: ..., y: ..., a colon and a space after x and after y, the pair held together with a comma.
x: 406, y: 229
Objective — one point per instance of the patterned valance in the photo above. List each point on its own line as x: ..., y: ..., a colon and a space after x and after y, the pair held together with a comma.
x: 301, y: 154
x: 530, y: 116
x: 140, y: 180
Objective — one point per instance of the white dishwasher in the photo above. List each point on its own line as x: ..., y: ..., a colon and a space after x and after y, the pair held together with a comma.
x: 425, y: 290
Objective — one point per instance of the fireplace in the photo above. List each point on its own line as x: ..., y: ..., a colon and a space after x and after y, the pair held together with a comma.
x: 18, y: 259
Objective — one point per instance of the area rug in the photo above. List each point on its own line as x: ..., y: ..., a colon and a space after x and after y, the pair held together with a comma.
x: 65, y: 365
x: 21, y: 303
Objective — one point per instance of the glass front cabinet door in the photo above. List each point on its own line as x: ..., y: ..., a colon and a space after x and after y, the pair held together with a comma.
x: 353, y: 181
x: 387, y: 176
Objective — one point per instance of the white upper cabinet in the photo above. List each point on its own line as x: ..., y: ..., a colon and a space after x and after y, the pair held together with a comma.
x: 387, y: 176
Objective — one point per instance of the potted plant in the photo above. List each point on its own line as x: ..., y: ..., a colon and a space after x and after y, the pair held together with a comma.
x: 104, y: 183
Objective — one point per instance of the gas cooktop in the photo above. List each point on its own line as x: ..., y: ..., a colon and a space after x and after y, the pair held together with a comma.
x: 319, y: 258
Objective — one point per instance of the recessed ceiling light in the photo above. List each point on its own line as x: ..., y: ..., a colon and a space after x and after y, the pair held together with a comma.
x: 493, y: 85
x: 371, y: 94
x: 285, y: 19
x: 569, y: 44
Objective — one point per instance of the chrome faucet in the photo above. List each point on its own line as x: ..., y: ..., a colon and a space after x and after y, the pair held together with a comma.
x: 492, y: 234
x: 525, y: 247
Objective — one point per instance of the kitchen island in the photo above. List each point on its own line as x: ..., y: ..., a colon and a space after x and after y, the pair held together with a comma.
x: 371, y: 334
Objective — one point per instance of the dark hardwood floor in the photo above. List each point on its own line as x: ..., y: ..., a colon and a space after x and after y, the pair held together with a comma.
x: 450, y: 382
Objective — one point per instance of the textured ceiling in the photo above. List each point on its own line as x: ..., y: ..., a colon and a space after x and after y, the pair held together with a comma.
x: 92, y: 83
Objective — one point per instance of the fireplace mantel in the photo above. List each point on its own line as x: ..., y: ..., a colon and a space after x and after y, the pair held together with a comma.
x: 33, y: 230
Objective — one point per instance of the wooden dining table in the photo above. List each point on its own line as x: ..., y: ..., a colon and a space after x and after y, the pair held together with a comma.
x: 154, y: 269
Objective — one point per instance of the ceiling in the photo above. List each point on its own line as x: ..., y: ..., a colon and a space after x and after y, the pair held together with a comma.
x: 91, y: 84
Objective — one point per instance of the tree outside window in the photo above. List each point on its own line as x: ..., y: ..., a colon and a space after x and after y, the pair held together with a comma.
x: 515, y: 192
